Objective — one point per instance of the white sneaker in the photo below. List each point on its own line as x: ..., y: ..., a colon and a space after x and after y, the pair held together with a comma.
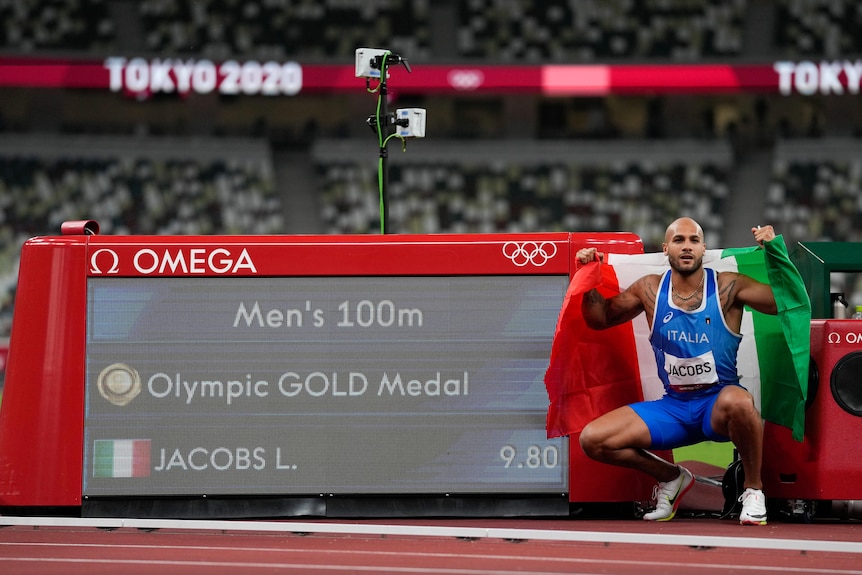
x: 668, y: 495
x: 753, y: 507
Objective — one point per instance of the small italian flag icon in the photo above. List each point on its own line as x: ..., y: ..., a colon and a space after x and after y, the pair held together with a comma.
x: 121, y: 458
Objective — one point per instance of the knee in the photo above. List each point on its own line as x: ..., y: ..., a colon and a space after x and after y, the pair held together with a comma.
x: 591, y: 442
x: 739, y: 405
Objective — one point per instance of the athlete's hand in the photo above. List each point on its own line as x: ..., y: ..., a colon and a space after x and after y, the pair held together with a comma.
x: 587, y: 255
x: 763, y: 234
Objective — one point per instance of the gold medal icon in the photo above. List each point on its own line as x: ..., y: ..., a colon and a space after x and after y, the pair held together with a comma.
x: 119, y: 383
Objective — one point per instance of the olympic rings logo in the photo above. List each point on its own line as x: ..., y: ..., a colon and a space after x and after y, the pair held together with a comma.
x: 523, y: 253
x: 465, y: 79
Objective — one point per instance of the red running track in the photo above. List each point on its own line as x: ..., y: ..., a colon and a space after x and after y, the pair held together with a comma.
x: 47, y: 546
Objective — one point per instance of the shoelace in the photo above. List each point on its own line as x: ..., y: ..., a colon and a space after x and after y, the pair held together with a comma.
x: 657, y: 490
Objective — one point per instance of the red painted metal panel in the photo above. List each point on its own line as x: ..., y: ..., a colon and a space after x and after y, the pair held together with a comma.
x: 443, y: 254
x: 41, y: 422
x: 4, y: 354
x: 827, y: 463
x: 331, y: 255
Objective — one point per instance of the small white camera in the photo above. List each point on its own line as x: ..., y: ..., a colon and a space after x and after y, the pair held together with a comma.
x: 410, y: 122
x: 366, y: 66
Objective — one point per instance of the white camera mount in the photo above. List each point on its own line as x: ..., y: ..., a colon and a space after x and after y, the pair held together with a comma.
x: 373, y: 64
x: 410, y: 122
x: 370, y: 62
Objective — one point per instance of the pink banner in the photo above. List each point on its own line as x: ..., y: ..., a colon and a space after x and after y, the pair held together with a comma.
x: 175, y: 75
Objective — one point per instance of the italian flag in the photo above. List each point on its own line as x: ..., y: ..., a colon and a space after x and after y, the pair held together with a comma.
x: 121, y: 458
x: 592, y: 372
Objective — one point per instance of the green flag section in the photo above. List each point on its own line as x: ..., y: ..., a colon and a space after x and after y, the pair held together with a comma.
x: 783, y: 341
x: 592, y: 372
x: 121, y: 458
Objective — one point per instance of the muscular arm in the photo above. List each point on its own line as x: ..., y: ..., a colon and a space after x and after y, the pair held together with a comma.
x: 601, y: 313
x: 738, y: 290
x: 754, y: 294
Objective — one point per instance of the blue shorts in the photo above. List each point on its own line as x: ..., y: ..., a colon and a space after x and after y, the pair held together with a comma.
x: 675, y: 422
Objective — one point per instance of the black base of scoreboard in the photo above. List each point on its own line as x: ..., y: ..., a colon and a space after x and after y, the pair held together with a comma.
x: 334, y: 506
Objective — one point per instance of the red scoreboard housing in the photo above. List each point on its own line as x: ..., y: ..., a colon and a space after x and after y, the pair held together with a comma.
x: 146, y: 369
x: 827, y: 464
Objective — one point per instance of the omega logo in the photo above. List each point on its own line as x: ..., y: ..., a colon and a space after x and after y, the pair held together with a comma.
x: 835, y: 337
x: 111, y: 257
x: 189, y: 261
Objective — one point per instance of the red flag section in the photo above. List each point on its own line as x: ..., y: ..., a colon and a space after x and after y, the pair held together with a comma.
x: 591, y: 371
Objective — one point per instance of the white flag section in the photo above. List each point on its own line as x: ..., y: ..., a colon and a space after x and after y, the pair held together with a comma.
x: 630, y: 268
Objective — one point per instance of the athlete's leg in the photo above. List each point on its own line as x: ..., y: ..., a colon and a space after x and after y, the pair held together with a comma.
x: 621, y: 437
x: 735, y: 416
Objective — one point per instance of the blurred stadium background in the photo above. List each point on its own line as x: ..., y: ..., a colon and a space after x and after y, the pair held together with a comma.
x: 518, y: 160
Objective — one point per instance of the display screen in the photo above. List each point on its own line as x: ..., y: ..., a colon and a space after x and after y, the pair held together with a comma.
x: 321, y: 385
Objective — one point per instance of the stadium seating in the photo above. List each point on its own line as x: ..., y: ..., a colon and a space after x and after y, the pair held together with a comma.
x: 815, y: 192
x: 153, y: 186
x: 496, y: 30
x: 275, y: 29
x: 827, y: 28
x: 498, y: 187
x: 562, y: 31
x: 502, y: 30
x: 51, y: 25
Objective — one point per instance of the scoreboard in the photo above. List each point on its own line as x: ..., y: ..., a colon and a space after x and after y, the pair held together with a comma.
x: 285, y: 366
x: 334, y: 385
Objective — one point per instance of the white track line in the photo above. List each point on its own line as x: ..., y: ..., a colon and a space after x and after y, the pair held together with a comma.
x: 445, y: 531
x: 244, y: 567
x: 701, y: 565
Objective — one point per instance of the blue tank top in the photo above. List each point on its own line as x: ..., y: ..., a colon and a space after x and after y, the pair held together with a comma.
x: 694, y: 350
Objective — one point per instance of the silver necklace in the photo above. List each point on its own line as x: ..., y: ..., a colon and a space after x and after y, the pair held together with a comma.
x: 692, y: 294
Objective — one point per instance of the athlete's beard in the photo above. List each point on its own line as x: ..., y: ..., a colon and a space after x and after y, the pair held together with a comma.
x: 685, y: 271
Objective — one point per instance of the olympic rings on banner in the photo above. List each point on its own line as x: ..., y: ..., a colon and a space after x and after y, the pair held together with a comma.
x: 465, y: 79
x: 522, y: 253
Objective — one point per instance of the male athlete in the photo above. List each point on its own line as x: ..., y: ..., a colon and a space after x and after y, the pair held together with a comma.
x: 694, y: 315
